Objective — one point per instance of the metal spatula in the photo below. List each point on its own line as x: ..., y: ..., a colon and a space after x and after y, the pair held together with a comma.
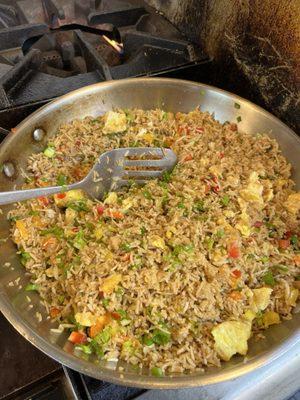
x: 113, y: 170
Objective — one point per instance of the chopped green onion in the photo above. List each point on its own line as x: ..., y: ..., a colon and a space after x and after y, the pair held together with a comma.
x: 31, y: 287
x: 126, y: 247
x: 166, y: 177
x: 49, y: 152
x: 86, y: 348
x: 225, y: 200
x: 147, y: 340
x: 79, y: 205
x: 147, y: 194
x: 294, y: 240
x: 61, y: 180
x: 268, y: 279
x: 97, y: 348
x: 179, y: 248
x: 239, y: 118
x: 209, y: 243
x: 156, y: 371
x: 79, y: 241
x: 161, y: 337
x: 199, y: 206
x: 56, y: 231
x: 122, y: 313
x: 104, y: 336
x: 143, y: 230
x: 33, y: 213
x: 25, y: 257
x: 181, y: 205
x: 237, y: 105
x: 220, y: 233
x: 264, y: 259
x: 164, y: 115
x: 105, y: 302
x: 61, y: 299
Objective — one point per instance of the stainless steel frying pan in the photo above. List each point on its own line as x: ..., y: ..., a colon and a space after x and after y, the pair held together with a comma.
x: 145, y: 93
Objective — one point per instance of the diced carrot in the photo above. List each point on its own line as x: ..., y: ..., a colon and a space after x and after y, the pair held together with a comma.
x: 116, y: 214
x: 199, y: 129
x: 207, y: 188
x: 221, y: 155
x: 77, y: 337
x: 283, y: 243
x: 61, y: 195
x: 288, y: 235
x: 100, y: 209
x: 297, y: 259
x: 237, y: 273
x: 189, y: 157
x: 115, y: 315
x: 44, y: 200
x: 233, y: 250
x: 126, y: 257
x: 100, y: 324
x: 75, y: 229
x: 54, y: 312
x: 235, y: 295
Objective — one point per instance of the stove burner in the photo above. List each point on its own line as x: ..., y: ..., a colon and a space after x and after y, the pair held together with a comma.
x: 50, y: 47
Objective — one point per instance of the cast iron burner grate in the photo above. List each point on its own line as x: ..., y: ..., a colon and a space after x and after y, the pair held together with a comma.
x: 50, y: 47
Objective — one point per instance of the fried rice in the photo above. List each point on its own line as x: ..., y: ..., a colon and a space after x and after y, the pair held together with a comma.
x: 175, y: 275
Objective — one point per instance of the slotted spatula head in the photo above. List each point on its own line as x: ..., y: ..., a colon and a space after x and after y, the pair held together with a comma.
x: 119, y: 167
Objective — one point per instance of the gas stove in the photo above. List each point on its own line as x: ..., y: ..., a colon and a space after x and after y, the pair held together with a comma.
x: 48, y: 48
x: 51, y: 47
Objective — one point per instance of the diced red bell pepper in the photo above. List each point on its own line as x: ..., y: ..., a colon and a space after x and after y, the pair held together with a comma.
x: 288, y: 235
x: 233, y: 127
x: 257, y: 224
x: 61, y: 195
x: 283, y: 243
x: 77, y: 337
x: 221, y: 155
x: 237, y: 273
x: 100, y: 209
x: 234, y: 250
x: 115, y: 315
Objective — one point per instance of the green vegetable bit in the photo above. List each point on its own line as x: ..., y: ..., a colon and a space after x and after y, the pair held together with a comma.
x: 147, y: 194
x: 268, y: 279
x: 104, y: 336
x: 25, y: 257
x: 294, y: 240
x: 79, y: 205
x: 237, y: 105
x: 79, y: 241
x: 281, y: 268
x: 97, y: 348
x: 123, y: 314
x: 264, y: 259
x: 126, y: 247
x: 220, y: 233
x: 143, y: 230
x: 239, y: 118
x: 225, y: 200
x: 156, y: 371
x: 161, y: 337
x: 105, y: 302
x: 166, y: 177
x: 31, y: 287
x: 181, y: 205
x: 49, y: 152
x: 146, y: 340
x: 62, y: 180
x: 199, y: 206
x: 86, y: 348
x: 56, y: 231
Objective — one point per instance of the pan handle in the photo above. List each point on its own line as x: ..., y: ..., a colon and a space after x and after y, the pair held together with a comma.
x: 20, y: 195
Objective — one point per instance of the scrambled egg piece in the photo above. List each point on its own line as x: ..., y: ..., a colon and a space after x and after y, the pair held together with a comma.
x: 158, y: 242
x: 115, y: 122
x: 292, y: 299
x: 72, y: 195
x: 292, y: 204
x: 270, y: 318
x: 112, y: 198
x: 127, y: 203
x: 98, y: 232
x: 70, y: 216
x: 253, y: 191
x: 86, y: 319
x: 243, y: 224
x: 110, y: 283
x: 20, y: 225
x: 147, y: 136
x: 260, y: 299
x: 231, y: 337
